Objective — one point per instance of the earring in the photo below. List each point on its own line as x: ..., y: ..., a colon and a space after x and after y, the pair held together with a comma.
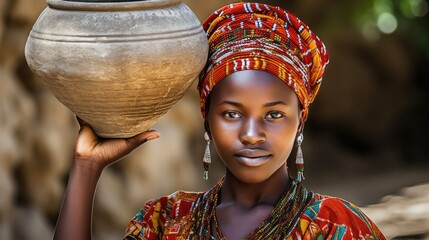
x: 299, y: 159
x: 207, y: 157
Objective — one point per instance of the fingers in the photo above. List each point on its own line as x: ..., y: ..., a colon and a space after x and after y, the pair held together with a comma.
x: 141, y: 138
x: 111, y: 150
x: 81, y: 122
x: 87, y: 139
x: 105, y: 150
x: 86, y: 129
x: 150, y: 134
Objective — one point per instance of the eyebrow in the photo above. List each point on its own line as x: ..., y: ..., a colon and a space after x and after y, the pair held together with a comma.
x: 270, y: 104
x: 231, y: 103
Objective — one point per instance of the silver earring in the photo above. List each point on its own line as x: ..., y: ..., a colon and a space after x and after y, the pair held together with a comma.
x: 207, y: 157
x: 299, y: 159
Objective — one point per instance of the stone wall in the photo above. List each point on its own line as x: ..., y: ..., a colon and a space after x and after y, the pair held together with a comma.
x: 367, y: 128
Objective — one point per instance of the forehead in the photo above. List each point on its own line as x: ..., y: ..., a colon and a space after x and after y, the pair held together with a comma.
x: 253, y: 86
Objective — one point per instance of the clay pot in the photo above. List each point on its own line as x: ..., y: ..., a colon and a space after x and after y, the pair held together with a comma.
x: 117, y: 65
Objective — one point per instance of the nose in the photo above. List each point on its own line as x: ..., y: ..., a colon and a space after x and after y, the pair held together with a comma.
x: 252, y: 132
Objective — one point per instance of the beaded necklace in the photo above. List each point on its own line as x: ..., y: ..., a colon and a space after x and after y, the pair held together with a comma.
x: 278, y: 225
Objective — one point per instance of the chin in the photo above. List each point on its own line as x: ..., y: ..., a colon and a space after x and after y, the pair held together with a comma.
x: 255, y: 175
x: 250, y: 177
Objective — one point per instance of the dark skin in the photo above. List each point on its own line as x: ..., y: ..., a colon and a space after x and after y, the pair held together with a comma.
x: 91, y: 155
x: 253, y: 121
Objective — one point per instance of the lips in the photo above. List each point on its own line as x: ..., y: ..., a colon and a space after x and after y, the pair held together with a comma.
x: 253, y: 157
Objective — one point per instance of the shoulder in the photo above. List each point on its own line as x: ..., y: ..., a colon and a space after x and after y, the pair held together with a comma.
x: 337, y: 218
x: 152, y: 217
x: 335, y: 209
x: 179, y: 201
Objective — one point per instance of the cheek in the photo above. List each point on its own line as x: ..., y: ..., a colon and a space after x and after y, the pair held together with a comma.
x: 224, y: 136
x: 283, y: 138
x: 219, y: 126
x: 284, y: 134
x: 220, y: 131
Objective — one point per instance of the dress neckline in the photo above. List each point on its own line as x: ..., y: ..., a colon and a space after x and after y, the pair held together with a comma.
x: 281, y: 221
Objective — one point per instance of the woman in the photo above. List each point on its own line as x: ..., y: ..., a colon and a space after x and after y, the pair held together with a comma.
x: 265, y: 67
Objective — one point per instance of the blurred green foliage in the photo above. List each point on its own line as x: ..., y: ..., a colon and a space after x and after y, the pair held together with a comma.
x: 404, y: 17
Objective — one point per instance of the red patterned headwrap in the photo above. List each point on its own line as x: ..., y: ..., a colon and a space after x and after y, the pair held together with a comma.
x: 258, y: 36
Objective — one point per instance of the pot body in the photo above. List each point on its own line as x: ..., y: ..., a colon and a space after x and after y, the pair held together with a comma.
x: 118, y: 66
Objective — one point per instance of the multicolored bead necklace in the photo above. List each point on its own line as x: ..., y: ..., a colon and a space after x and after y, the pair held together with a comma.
x: 278, y: 225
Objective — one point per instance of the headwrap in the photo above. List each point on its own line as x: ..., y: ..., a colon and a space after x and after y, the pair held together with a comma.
x: 256, y: 36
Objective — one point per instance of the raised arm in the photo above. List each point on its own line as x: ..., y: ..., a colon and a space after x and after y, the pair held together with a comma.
x: 91, y: 155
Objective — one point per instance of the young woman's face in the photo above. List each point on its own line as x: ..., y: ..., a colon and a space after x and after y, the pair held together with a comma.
x: 253, y: 121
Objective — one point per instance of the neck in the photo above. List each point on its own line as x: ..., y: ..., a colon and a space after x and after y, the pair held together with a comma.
x: 250, y: 195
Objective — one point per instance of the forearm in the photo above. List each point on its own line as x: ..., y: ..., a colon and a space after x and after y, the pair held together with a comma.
x: 92, y: 155
x: 75, y: 218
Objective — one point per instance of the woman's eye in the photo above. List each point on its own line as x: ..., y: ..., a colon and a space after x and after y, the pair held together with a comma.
x: 231, y: 115
x: 274, y: 115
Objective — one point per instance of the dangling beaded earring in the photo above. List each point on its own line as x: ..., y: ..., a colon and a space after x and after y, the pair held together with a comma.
x: 299, y: 159
x: 207, y: 157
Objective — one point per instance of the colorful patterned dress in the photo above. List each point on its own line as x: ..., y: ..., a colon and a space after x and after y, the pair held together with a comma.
x: 182, y: 216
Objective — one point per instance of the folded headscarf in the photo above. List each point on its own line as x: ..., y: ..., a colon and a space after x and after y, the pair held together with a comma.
x: 244, y: 36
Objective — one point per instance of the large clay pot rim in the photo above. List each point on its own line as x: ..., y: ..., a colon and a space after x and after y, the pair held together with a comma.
x: 110, y: 6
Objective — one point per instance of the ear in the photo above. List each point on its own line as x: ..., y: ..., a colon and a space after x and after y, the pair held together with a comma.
x: 301, y: 123
x: 207, y: 127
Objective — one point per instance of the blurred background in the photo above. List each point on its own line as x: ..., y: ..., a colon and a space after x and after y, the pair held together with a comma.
x: 366, y: 139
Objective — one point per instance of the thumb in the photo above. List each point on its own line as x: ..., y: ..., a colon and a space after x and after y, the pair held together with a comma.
x: 142, y: 138
x: 114, y: 149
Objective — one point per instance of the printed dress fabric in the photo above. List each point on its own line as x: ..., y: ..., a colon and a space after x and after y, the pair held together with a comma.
x: 324, y: 217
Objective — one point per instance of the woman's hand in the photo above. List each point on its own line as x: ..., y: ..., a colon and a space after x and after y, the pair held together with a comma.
x: 91, y: 155
x: 95, y: 152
